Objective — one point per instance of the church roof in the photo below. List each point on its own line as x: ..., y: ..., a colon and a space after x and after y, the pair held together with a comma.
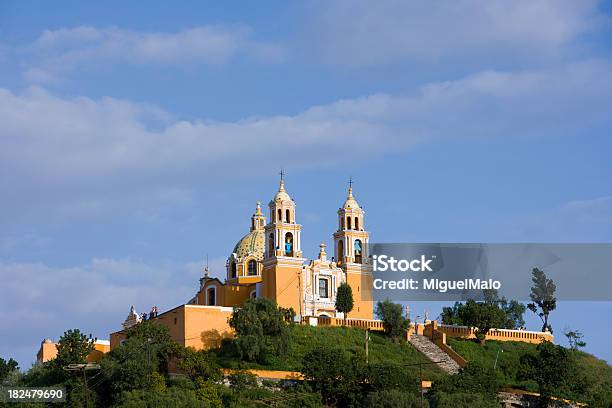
x: 350, y: 203
x: 281, y: 195
x: 252, y: 243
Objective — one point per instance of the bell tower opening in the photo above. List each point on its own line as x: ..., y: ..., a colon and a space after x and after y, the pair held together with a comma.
x: 289, y: 244
x: 357, y: 250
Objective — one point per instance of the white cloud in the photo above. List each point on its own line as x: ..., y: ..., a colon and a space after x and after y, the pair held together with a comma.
x: 587, y: 220
x: 57, y: 52
x: 82, y: 156
x: 44, y: 301
x: 352, y: 32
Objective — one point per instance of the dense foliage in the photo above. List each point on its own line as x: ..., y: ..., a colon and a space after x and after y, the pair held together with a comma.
x: 261, y: 329
x: 7, y: 368
x: 590, y: 381
x: 73, y: 347
x: 344, y: 379
x: 392, y: 316
x: 493, y: 312
x: 482, y: 316
x: 136, y: 373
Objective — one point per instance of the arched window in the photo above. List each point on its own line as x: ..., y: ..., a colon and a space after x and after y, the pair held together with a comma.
x: 357, y: 223
x: 342, y: 223
x: 348, y: 223
x: 233, y: 270
x: 280, y: 216
x: 212, y: 301
x: 340, y: 251
x: 288, y: 216
x: 271, y: 245
x: 358, y: 251
x: 252, y: 268
x: 289, y: 244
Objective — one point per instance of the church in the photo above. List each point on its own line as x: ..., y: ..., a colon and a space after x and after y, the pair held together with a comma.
x: 268, y: 262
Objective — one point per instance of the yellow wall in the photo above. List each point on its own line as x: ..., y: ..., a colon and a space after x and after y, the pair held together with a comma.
x: 200, y: 327
x: 361, y: 284
x: 281, y: 283
x: 206, y: 326
x: 228, y: 294
x: 48, y: 351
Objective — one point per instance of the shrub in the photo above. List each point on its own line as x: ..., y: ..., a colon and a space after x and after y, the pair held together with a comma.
x: 210, y: 393
x: 474, y: 378
x: 388, y: 376
x: 241, y: 380
x: 456, y: 400
x: 198, y: 364
x: 173, y: 397
x: 335, y: 373
x: 393, y: 399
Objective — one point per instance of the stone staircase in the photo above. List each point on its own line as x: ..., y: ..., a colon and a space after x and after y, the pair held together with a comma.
x: 434, y: 353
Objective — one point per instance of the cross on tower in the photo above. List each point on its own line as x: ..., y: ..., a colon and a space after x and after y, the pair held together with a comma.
x: 350, y: 182
x: 282, y: 173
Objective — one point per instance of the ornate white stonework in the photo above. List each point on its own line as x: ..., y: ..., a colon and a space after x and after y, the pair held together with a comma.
x: 132, y: 318
x: 318, y: 276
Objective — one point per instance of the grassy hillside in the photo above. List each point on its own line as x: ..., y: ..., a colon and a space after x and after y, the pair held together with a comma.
x: 305, y: 338
x: 597, y: 374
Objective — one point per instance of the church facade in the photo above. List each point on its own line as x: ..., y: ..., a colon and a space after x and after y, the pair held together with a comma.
x: 268, y: 262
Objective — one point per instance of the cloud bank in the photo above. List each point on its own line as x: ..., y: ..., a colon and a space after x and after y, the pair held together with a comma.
x: 355, y: 33
x: 58, y: 52
x: 81, y: 154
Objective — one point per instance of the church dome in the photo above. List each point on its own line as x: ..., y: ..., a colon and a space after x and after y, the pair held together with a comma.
x: 281, y: 195
x: 350, y: 203
x: 252, y: 243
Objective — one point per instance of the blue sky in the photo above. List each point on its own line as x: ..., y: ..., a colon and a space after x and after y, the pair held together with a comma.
x: 135, y: 140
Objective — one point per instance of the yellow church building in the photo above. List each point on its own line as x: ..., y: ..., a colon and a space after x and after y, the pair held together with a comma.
x: 268, y: 262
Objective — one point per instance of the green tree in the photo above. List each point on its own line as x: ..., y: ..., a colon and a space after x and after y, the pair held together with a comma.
x: 336, y: 374
x: 513, y: 309
x: 393, y: 398
x: 391, y: 376
x: 7, y: 367
x: 461, y: 399
x: 552, y: 368
x: 460, y: 314
x: 543, y: 297
x: 210, y: 392
x: 344, y: 299
x: 172, y: 397
x: 574, y: 338
x: 198, y: 364
x: 482, y: 316
x: 140, y: 360
x: 73, y: 347
x: 394, y: 322
x: 261, y: 329
x: 473, y: 379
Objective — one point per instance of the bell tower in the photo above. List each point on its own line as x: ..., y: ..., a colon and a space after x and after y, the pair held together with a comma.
x: 350, y: 252
x: 282, y: 264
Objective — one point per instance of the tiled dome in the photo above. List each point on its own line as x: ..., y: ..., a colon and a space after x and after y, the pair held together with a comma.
x: 252, y: 243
